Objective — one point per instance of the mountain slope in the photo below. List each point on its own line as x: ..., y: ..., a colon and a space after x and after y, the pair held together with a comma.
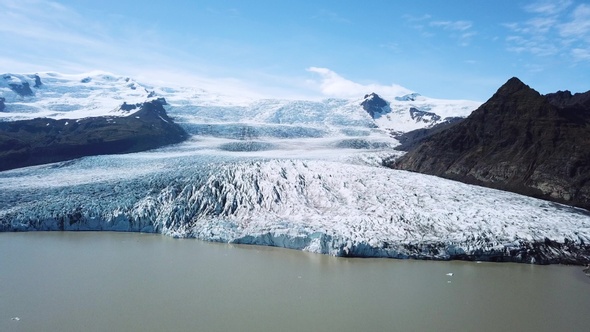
x: 520, y: 141
x: 413, y: 111
x: 41, y: 140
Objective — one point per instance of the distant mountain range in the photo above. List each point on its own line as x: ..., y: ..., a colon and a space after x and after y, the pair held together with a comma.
x: 519, y: 141
x: 40, y: 140
x: 35, y: 110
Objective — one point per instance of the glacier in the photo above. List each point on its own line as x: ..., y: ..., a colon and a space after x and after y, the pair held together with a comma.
x: 327, y: 207
x: 304, y: 175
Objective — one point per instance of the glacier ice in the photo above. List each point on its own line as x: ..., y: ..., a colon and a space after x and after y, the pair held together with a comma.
x: 314, y: 205
x: 304, y: 175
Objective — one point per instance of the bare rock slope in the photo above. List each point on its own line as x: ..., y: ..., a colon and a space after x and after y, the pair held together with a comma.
x: 42, y: 140
x: 519, y: 141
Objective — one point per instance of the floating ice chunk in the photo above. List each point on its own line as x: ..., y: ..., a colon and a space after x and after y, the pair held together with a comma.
x: 450, y: 274
x: 15, y: 318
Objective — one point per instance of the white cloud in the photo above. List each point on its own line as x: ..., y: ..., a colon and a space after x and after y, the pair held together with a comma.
x: 43, y: 21
x: 411, y: 18
x: 579, y: 26
x: 548, y: 7
x: 581, y: 54
x: 541, y: 25
x: 555, y: 28
x: 43, y: 36
x: 460, y: 30
x: 333, y: 85
x: 452, y: 25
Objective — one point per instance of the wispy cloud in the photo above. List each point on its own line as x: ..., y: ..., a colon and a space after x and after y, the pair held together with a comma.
x: 581, y: 54
x: 548, y: 7
x: 460, y: 30
x: 41, y: 35
x: 333, y: 85
x: 419, y: 23
x: 553, y: 28
x: 452, y: 25
x: 578, y: 27
x: 44, y: 21
x: 536, y: 45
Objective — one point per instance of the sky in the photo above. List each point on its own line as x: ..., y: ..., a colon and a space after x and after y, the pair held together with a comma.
x: 307, y: 49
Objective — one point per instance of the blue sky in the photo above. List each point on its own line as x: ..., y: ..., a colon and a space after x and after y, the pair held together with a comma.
x: 324, y: 48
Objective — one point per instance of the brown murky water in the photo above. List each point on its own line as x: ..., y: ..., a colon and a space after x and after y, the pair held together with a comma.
x: 138, y: 282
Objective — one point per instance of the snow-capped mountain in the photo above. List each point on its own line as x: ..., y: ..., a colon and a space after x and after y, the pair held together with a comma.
x: 413, y: 111
x: 297, y: 174
x: 216, y: 121
x: 61, y: 96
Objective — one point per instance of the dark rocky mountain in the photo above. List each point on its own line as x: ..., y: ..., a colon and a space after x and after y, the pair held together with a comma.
x: 2, y: 105
x: 519, y: 141
x: 565, y: 99
x: 41, y: 140
x: 423, y: 116
x: 375, y: 105
x: 412, y: 138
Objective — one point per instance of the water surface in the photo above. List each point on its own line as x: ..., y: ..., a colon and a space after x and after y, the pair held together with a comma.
x: 66, y: 281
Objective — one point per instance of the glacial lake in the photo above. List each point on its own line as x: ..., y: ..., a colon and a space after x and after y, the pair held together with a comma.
x: 67, y: 281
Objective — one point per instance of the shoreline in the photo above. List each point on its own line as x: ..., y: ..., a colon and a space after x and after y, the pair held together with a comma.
x: 538, y: 253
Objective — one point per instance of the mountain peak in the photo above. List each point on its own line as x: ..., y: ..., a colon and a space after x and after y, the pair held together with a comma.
x: 512, y: 86
x: 516, y: 99
x: 372, y: 95
x: 520, y: 141
x: 375, y: 105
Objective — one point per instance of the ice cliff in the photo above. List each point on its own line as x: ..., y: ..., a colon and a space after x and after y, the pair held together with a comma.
x: 317, y: 206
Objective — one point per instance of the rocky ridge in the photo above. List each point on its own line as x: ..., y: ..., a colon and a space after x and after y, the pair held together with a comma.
x: 42, y: 140
x: 519, y: 141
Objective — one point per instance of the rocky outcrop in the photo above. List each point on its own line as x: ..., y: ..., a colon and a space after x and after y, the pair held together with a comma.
x: 412, y: 138
x: 41, y: 140
x: 2, y: 105
x: 565, y: 99
x: 519, y: 141
x: 38, y: 82
x: 375, y: 105
x: 22, y: 88
x: 423, y: 116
